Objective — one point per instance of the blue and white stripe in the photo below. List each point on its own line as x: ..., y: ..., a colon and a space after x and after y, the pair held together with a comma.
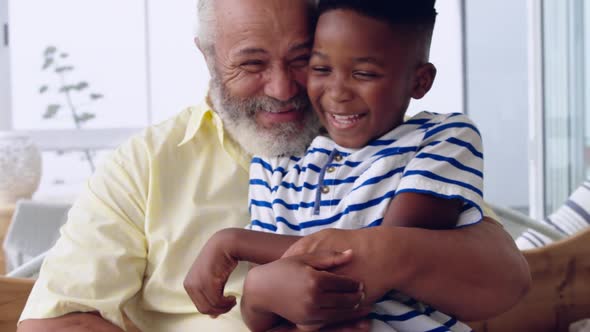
x: 335, y: 187
x: 571, y: 218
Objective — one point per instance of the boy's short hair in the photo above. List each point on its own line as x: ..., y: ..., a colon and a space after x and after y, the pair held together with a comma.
x: 417, y: 15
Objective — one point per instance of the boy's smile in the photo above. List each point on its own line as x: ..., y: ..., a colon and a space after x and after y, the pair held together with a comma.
x: 362, y: 75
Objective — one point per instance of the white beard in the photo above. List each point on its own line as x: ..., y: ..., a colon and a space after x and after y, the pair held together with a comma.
x: 283, y: 139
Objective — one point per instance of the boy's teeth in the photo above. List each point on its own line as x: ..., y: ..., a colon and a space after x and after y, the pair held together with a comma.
x: 345, y: 118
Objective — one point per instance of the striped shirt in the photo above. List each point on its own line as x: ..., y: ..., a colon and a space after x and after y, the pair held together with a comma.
x: 571, y: 218
x: 335, y: 187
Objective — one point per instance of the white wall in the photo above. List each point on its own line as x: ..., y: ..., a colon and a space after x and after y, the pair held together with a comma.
x: 497, y: 94
x: 446, y: 54
x: 5, y: 119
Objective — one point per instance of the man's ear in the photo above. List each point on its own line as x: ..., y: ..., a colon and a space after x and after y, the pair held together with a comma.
x: 198, y: 44
x: 425, y: 75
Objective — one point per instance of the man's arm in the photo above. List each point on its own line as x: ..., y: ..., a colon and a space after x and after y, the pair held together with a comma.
x: 472, y: 272
x: 76, y: 322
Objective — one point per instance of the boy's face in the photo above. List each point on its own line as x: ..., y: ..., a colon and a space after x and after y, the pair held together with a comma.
x: 362, y: 76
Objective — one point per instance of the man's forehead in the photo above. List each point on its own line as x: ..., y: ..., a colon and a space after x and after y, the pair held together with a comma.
x: 229, y: 10
x: 263, y: 26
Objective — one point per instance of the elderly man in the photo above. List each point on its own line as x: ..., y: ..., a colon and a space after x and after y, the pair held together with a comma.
x: 133, y: 234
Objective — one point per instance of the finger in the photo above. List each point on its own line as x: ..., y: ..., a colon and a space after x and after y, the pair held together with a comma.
x: 331, y: 282
x: 332, y: 316
x: 202, y: 303
x: 220, y: 304
x: 358, y: 326
x: 341, y: 300
x: 327, y: 259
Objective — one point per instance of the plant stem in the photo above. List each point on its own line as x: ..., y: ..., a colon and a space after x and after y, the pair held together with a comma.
x: 72, y: 107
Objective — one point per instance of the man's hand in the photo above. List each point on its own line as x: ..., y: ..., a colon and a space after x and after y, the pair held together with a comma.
x: 299, y: 289
x: 361, y: 268
x: 208, y: 275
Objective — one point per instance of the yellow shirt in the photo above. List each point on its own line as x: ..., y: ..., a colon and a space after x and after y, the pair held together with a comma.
x: 144, y: 216
x: 133, y: 234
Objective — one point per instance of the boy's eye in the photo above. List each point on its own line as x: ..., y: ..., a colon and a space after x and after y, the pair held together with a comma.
x: 365, y: 75
x: 252, y: 66
x: 320, y: 69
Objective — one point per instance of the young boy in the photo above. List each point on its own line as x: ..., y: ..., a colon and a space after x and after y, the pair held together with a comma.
x: 369, y: 59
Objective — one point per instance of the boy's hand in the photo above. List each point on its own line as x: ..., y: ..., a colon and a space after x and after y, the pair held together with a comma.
x: 357, y: 326
x: 298, y: 289
x: 208, y: 275
x: 365, y: 243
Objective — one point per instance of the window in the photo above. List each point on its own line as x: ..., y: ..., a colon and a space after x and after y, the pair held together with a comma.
x: 564, y: 115
x: 84, y: 75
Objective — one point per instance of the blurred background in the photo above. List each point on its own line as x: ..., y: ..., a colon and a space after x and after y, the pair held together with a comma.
x: 80, y: 76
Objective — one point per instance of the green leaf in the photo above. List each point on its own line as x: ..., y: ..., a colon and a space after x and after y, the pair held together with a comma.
x: 51, y: 111
x: 84, y: 117
x: 96, y: 96
x: 48, y: 62
x: 50, y: 50
x: 63, y: 69
x: 81, y: 86
x: 66, y: 88
x: 43, y: 89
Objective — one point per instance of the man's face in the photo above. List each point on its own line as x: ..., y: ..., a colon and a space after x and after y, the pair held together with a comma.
x: 258, y: 85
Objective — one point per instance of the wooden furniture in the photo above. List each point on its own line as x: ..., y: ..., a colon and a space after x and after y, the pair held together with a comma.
x: 560, y: 292
x: 5, y: 217
x: 13, y: 296
x: 559, y: 296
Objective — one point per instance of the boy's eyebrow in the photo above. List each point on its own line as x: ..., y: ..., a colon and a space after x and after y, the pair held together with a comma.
x: 365, y: 59
x: 369, y: 59
x: 319, y: 54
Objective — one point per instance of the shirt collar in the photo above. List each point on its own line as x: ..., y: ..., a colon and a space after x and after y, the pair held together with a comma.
x: 205, y: 113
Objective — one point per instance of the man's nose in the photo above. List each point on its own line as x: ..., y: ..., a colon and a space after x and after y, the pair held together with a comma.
x: 281, y: 85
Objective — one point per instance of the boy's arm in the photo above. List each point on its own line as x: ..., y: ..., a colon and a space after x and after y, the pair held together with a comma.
x: 422, y: 211
x: 272, y: 296
x: 208, y: 275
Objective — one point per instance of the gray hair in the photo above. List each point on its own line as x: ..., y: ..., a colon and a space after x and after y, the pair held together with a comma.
x: 205, y: 30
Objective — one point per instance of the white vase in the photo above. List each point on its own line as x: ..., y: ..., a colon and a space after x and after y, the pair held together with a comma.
x: 20, y: 167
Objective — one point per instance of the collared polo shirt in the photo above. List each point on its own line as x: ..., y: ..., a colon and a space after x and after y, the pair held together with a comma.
x: 141, y: 221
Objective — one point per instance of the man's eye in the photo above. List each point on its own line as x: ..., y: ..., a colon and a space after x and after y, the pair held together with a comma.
x: 253, y: 65
x: 300, y: 62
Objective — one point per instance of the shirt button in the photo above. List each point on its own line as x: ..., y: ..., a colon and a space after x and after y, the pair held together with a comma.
x: 325, y: 189
x: 338, y: 157
x: 331, y: 169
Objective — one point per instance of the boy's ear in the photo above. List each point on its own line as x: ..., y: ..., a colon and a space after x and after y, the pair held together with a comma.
x: 425, y: 75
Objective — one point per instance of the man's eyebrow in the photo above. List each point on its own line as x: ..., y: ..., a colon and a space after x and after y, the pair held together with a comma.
x: 306, y: 45
x: 251, y: 51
